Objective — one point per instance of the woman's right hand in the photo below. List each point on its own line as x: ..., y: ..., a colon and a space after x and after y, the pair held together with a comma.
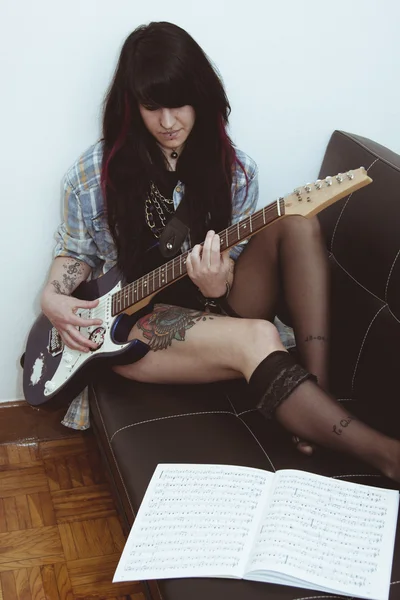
x: 61, y: 310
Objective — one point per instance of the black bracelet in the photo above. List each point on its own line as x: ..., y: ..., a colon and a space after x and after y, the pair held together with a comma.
x: 214, y: 302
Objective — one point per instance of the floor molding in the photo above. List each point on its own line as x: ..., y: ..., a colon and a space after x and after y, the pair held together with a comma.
x: 10, y: 403
x: 21, y: 422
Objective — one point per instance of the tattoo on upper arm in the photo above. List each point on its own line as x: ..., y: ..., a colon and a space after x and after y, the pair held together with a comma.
x: 167, y: 323
x: 343, y: 424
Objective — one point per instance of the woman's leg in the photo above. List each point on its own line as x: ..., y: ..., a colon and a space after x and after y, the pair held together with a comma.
x: 188, y: 346
x: 288, y: 261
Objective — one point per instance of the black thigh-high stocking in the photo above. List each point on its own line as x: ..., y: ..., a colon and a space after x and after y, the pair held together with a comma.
x: 288, y: 260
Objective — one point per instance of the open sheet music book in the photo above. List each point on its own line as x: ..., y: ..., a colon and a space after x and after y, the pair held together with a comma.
x: 289, y: 527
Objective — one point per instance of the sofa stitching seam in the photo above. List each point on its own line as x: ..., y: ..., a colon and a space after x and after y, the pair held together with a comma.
x: 362, y: 346
x: 392, y: 313
x: 344, y: 207
x: 338, y: 220
x: 244, y: 412
x: 252, y: 433
x: 210, y: 412
x: 358, y: 282
x: 259, y: 443
x: 231, y: 403
x: 390, y: 274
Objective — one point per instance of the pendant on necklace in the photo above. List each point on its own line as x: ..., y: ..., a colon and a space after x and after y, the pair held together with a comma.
x: 174, y: 154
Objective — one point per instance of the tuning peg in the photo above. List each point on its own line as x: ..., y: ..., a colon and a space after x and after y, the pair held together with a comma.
x: 328, y: 180
x: 350, y: 174
x: 318, y: 184
x: 339, y: 178
x: 307, y: 187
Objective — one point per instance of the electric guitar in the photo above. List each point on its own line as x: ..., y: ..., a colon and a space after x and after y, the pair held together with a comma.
x: 52, y: 370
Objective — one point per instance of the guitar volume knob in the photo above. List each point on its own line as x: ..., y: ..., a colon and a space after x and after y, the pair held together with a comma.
x: 49, y: 387
x: 68, y: 357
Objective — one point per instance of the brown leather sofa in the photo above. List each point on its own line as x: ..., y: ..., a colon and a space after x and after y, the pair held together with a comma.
x: 140, y: 425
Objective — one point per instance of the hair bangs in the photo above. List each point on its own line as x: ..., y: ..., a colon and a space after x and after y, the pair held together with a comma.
x: 164, y: 89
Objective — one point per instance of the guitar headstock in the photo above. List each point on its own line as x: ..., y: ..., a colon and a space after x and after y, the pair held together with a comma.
x: 314, y: 197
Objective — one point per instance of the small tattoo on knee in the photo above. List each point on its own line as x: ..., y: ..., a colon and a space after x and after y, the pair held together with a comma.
x: 342, y: 425
x: 319, y: 338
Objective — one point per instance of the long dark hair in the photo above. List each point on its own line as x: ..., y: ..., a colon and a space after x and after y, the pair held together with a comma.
x: 161, y: 65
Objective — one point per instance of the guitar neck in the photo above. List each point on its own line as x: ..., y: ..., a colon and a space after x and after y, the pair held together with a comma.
x: 305, y: 201
x: 175, y: 269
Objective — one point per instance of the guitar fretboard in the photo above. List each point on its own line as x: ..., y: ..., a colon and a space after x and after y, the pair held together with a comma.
x: 175, y: 269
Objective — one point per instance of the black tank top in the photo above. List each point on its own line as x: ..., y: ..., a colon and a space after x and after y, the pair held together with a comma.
x: 183, y: 292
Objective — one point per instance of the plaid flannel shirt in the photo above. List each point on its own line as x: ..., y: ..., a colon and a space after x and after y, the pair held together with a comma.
x: 84, y: 233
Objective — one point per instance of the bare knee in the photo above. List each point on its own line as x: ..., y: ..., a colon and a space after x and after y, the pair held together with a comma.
x: 265, y: 336
x: 260, y: 339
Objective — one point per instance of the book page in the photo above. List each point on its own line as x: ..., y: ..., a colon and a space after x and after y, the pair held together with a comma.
x: 332, y: 533
x: 195, y: 521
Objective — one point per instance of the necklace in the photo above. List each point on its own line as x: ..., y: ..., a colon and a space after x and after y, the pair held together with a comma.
x: 157, y: 209
x: 174, y: 154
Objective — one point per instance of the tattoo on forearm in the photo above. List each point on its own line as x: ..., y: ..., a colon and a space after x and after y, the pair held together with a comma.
x: 338, y: 429
x: 74, y: 270
x: 70, y: 279
x: 57, y: 286
x: 320, y: 338
x: 167, y: 323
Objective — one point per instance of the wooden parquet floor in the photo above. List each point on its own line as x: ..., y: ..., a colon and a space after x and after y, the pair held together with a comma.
x: 60, y: 535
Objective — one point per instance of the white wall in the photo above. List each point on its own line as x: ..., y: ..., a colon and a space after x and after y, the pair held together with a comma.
x: 295, y: 70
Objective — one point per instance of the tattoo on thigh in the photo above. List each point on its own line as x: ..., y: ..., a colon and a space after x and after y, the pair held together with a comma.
x: 320, y: 338
x: 343, y: 424
x: 167, y: 323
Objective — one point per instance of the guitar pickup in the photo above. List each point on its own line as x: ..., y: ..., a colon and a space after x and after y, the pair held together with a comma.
x: 56, y: 345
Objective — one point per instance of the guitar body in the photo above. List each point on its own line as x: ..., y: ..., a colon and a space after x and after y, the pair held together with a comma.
x: 54, y: 371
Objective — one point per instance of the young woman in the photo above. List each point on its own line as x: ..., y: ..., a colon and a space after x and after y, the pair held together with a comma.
x: 165, y: 141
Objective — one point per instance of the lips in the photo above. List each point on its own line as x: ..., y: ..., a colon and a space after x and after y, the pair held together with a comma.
x: 170, y: 135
